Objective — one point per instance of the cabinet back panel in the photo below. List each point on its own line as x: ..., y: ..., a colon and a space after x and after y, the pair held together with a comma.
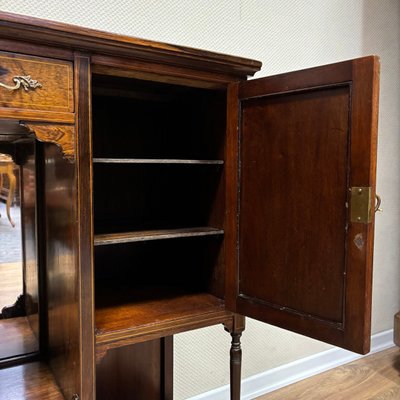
x: 141, y: 372
x: 188, y: 264
x: 146, y: 120
x: 138, y: 197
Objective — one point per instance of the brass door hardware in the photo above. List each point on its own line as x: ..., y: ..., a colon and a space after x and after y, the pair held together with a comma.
x: 360, y: 204
x: 378, y: 203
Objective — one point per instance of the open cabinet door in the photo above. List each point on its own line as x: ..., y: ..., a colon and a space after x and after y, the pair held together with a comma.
x: 302, y: 151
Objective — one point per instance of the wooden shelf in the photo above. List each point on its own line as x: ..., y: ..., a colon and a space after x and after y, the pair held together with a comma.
x: 141, y: 236
x: 152, y: 312
x: 32, y: 381
x: 154, y: 161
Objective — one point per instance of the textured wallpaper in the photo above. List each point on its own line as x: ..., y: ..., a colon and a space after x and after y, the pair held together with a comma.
x: 285, y: 35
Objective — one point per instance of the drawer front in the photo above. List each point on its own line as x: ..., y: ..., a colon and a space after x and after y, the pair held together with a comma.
x: 36, y: 83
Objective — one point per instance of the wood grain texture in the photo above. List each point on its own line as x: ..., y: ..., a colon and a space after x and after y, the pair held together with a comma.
x: 155, y: 161
x: 84, y: 226
x: 28, y: 382
x: 16, y: 338
x: 397, y: 329
x: 137, y: 69
x: 293, y: 201
x: 54, y: 76
x: 61, y: 135
x: 123, y: 314
x: 67, y: 36
x: 62, y: 283
x: 37, y: 115
x: 142, y: 371
x: 11, y: 283
x: 141, y: 236
x: 29, y: 230
x: 278, y: 177
x: 41, y: 50
x: 374, y: 377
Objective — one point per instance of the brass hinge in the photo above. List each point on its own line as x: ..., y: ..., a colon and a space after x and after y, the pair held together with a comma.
x: 361, y: 204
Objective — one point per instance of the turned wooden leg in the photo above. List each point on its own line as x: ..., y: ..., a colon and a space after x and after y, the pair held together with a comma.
x: 235, y: 329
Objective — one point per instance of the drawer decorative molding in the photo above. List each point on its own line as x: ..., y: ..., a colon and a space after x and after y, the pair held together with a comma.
x: 54, y: 78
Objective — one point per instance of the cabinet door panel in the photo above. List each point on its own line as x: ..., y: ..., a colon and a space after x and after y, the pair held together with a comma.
x: 303, y: 140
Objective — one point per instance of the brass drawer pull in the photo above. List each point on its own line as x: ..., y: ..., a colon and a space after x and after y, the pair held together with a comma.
x: 25, y: 81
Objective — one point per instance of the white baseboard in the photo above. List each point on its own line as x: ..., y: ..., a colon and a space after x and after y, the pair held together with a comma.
x: 298, y: 370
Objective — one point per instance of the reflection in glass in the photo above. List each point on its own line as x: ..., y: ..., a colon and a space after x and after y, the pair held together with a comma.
x: 19, y: 326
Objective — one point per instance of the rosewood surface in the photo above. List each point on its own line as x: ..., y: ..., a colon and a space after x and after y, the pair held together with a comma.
x: 265, y: 165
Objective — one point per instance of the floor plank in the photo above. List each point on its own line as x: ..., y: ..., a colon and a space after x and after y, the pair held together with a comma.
x: 16, y: 338
x: 11, y: 283
x: 32, y: 381
x: 375, y: 377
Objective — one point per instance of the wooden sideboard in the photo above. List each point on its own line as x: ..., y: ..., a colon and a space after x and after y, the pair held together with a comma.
x: 173, y: 194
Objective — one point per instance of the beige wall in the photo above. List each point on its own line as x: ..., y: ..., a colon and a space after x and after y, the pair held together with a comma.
x: 285, y: 35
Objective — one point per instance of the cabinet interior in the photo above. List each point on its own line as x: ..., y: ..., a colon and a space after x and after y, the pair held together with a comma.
x: 158, y: 200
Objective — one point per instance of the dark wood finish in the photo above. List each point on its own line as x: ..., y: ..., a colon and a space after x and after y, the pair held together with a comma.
x: 154, y: 197
x: 397, y: 329
x: 300, y: 152
x: 137, y: 370
x: 15, y: 46
x: 168, y: 158
x: 123, y: 313
x: 62, y: 273
x: 167, y: 360
x: 32, y: 381
x: 235, y: 328
x: 190, y: 123
x: 66, y: 36
x: 293, y: 201
x: 55, y: 77
x: 41, y: 249
x: 154, y: 161
x: 84, y: 232
x: 29, y: 233
x: 141, y: 236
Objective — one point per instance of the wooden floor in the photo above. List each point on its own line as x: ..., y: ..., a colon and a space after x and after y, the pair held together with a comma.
x: 32, y: 381
x: 375, y: 377
x: 16, y: 338
x: 10, y: 283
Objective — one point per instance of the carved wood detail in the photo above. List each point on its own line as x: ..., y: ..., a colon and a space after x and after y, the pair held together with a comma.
x: 60, y: 134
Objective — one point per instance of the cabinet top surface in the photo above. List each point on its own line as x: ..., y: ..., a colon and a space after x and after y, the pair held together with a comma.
x: 46, y: 32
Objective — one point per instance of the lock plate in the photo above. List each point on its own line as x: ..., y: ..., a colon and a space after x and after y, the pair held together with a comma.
x: 360, y: 204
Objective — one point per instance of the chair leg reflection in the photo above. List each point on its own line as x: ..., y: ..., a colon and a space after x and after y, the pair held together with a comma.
x: 6, y: 168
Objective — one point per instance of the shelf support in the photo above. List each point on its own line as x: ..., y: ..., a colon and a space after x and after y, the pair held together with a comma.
x: 235, y: 328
